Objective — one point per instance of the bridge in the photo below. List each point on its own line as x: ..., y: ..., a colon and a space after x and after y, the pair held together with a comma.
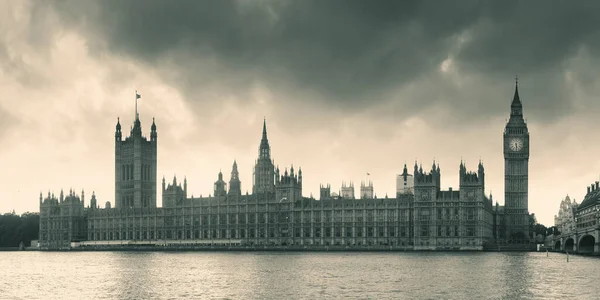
x: 582, y: 241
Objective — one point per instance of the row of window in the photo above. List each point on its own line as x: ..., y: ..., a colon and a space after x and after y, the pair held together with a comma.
x: 349, y: 232
x: 327, y: 232
x: 127, y: 172
x: 446, y: 231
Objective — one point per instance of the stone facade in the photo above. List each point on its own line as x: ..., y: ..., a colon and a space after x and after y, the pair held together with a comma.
x: 62, y: 220
x: 516, y: 171
x: 135, y: 167
x: 451, y: 219
x: 579, y: 225
x: 280, y: 215
x: 565, y: 220
x: 421, y: 217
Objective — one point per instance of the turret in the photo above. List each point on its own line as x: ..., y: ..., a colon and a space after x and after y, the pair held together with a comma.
x: 118, y: 133
x: 481, y: 174
x: 62, y: 196
x: 220, y: 189
x: 185, y: 185
x: 93, y: 200
x: 153, y: 134
x: 235, y: 188
x: 164, y: 185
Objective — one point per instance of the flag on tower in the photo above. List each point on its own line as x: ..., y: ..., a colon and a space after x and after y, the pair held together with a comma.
x: 368, y: 174
x: 137, y: 96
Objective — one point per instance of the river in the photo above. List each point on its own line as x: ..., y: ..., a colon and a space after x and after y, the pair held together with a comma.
x: 296, y: 275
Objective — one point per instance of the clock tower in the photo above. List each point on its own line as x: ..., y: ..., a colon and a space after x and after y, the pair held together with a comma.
x: 516, y: 171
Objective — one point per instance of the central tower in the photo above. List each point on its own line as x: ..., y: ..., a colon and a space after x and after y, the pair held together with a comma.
x: 264, y: 171
x: 516, y: 172
x: 135, y: 166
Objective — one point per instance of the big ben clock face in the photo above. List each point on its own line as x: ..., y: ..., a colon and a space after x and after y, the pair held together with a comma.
x: 515, y: 144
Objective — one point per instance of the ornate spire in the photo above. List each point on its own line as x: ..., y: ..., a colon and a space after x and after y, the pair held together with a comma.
x: 516, y: 106
x: 265, y: 149
x: 264, y: 133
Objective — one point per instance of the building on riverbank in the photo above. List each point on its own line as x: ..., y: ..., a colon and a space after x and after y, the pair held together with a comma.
x: 276, y: 214
x: 578, y: 224
x: 421, y: 216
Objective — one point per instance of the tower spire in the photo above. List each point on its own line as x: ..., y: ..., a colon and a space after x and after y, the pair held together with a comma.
x: 264, y: 149
x: 516, y: 99
x: 264, y: 132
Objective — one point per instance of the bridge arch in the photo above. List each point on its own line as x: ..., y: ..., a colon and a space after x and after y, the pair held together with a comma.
x: 569, y: 244
x: 557, y: 246
x: 586, y: 244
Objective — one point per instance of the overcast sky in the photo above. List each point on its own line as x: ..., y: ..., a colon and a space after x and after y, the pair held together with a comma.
x: 347, y: 87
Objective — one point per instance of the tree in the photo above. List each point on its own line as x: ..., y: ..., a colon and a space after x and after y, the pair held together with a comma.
x: 15, y: 229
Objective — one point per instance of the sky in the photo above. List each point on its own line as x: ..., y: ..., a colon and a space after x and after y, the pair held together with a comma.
x: 346, y: 87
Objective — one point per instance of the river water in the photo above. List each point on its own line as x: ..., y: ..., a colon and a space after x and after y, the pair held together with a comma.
x: 293, y: 275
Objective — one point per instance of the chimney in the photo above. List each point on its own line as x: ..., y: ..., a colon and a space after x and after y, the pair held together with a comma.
x: 597, y: 185
x: 588, y: 189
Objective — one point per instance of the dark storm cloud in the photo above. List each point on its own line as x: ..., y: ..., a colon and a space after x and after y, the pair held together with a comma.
x: 349, y: 53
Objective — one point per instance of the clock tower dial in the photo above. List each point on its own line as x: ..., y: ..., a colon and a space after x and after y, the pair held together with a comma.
x: 515, y: 144
x: 516, y: 174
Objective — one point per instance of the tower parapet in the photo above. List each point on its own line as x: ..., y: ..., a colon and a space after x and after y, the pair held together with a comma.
x: 347, y: 190
x: 424, y: 179
x: 325, y: 192
x: 366, y: 190
x: 289, y: 186
x: 174, y: 194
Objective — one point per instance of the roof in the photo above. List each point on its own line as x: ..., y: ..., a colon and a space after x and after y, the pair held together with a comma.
x: 590, y: 199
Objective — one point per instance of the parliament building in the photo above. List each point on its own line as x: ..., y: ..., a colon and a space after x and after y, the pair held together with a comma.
x: 277, y: 215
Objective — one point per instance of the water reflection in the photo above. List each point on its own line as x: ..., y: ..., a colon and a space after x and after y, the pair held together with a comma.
x: 135, y: 274
x: 285, y: 275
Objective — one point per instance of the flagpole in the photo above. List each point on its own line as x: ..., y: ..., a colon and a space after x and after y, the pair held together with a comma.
x: 136, y: 98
